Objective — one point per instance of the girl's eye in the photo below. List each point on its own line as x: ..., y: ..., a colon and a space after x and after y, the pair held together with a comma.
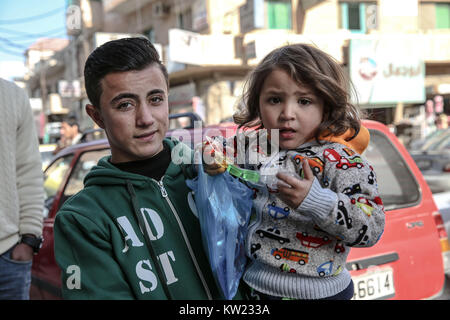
x: 304, y: 102
x: 274, y: 100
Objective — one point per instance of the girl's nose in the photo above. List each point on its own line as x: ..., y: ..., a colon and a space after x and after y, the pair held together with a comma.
x: 287, y: 113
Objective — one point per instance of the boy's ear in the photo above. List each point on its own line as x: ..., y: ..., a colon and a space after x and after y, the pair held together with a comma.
x: 95, y: 115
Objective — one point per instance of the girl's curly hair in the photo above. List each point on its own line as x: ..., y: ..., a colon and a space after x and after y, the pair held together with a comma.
x: 309, y: 66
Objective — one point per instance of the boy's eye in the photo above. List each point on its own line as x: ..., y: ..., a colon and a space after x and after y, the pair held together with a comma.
x: 124, y: 105
x: 156, y: 99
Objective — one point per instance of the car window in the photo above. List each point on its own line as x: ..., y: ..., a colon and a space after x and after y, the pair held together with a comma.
x: 84, y: 164
x: 443, y: 144
x: 56, y: 174
x: 397, y: 186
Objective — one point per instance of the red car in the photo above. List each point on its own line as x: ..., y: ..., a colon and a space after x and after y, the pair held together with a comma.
x: 310, y: 241
x: 342, y: 162
x: 409, y: 262
x: 412, y: 257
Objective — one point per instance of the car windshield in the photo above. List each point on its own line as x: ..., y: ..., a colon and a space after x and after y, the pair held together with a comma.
x: 442, y: 144
x: 397, y: 185
x: 55, y: 175
x: 438, y: 141
x: 84, y: 164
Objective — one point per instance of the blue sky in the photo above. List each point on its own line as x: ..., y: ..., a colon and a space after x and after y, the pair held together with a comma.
x: 22, y: 22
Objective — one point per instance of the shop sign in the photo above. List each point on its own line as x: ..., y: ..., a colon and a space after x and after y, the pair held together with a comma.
x: 201, y: 49
x: 387, y: 70
x: 69, y: 89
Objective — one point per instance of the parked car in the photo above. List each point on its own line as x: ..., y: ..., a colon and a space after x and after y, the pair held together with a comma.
x: 413, y: 255
x: 424, y: 143
x: 409, y: 262
x: 433, y: 160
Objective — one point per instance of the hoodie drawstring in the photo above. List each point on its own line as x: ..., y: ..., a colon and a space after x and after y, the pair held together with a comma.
x: 138, y: 216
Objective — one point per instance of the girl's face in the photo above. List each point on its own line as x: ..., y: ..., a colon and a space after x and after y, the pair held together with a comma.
x: 290, y: 107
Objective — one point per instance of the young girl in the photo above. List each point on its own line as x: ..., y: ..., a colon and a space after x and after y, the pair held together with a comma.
x: 303, y: 231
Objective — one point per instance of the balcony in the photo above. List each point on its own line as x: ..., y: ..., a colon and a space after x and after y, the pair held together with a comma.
x: 124, y: 6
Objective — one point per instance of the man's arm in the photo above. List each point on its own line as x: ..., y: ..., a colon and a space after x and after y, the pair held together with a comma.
x: 84, y: 254
x: 29, y: 176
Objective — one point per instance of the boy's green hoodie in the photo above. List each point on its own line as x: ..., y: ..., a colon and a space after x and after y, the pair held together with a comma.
x: 105, y: 254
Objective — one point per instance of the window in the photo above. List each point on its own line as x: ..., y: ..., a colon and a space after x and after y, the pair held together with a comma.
x: 55, y: 175
x: 150, y: 34
x: 184, y: 20
x: 397, y: 185
x: 442, y: 15
x: 358, y: 17
x: 84, y: 164
x: 279, y: 14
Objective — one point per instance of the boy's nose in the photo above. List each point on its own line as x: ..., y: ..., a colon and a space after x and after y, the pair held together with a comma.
x: 144, y: 116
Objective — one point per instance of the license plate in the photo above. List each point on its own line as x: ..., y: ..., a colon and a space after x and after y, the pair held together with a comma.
x: 375, y: 284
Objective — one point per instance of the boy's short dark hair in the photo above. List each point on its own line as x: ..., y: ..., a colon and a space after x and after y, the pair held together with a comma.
x: 121, y: 55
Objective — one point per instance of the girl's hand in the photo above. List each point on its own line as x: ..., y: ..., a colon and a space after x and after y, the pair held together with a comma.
x: 293, y: 190
x: 213, y: 163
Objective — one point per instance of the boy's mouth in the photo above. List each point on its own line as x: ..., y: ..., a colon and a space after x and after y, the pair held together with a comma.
x: 147, y: 136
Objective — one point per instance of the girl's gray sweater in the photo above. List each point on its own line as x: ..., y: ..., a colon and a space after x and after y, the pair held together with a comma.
x: 301, y: 252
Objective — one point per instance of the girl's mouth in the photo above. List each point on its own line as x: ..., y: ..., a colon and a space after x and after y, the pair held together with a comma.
x: 287, y: 133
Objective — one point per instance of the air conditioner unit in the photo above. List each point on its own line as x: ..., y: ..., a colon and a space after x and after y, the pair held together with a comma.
x: 160, y: 10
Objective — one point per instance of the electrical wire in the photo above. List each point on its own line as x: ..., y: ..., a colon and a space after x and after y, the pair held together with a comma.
x: 10, y: 52
x: 12, y: 44
x: 32, y: 18
x: 26, y: 35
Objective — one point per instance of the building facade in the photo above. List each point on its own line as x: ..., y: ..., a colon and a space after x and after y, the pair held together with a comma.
x: 397, y: 53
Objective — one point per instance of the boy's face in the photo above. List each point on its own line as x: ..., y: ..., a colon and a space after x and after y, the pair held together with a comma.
x: 134, y: 112
x: 290, y: 107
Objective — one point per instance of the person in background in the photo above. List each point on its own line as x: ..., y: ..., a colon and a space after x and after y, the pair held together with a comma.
x: 21, y: 195
x: 70, y: 133
x: 132, y: 232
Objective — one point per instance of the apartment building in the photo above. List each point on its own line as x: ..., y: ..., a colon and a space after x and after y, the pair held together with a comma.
x: 397, y: 53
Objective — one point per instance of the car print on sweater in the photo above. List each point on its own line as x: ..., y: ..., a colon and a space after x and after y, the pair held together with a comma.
x: 301, y: 252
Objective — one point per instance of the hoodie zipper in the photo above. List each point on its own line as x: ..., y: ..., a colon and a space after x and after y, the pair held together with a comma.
x: 186, y: 240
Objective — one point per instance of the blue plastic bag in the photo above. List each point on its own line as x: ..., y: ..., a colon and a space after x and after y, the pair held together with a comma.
x: 224, y: 206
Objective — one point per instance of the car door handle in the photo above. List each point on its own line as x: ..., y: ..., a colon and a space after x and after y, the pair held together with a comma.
x: 374, y: 261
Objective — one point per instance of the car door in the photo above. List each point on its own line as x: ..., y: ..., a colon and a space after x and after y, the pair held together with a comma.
x: 407, y: 261
x: 43, y: 267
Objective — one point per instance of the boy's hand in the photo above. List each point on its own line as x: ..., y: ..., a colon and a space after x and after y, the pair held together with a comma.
x: 297, y: 189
